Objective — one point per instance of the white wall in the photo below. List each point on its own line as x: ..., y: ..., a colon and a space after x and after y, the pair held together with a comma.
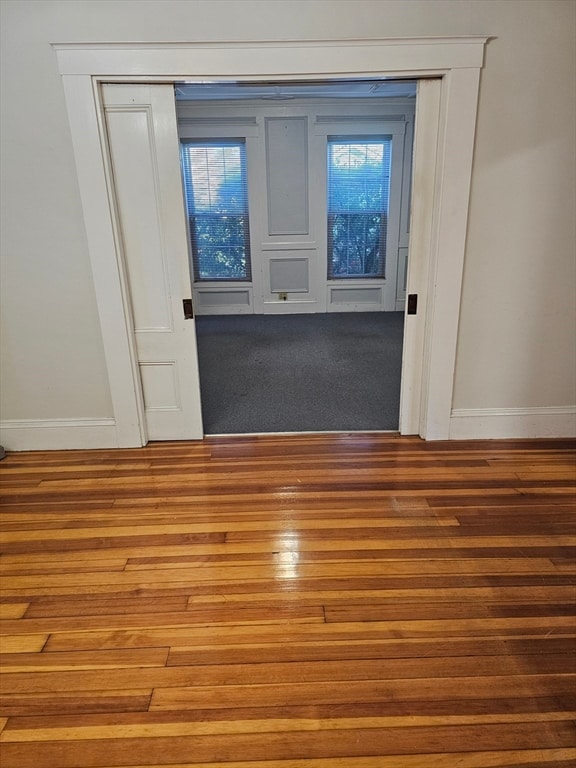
x: 516, y: 346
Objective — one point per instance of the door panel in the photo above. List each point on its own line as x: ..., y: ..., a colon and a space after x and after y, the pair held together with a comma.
x: 143, y: 146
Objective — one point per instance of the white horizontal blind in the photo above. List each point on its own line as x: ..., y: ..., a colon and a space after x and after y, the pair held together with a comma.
x: 358, y: 198
x: 216, y: 194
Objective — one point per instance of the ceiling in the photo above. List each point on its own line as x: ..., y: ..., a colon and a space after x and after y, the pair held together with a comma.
x: 284, y: 91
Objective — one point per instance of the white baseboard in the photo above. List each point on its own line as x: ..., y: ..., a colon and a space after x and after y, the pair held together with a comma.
x: 498, y: 423
x: 465, y: 424
x: 61, y: 434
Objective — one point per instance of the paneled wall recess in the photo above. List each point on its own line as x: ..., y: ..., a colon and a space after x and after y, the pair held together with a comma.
x: 287, y: 175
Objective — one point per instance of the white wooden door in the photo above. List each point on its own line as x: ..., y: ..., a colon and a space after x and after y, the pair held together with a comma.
x: 144, y: 158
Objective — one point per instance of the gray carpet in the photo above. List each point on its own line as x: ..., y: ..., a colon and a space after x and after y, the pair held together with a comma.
x: 300, y: 373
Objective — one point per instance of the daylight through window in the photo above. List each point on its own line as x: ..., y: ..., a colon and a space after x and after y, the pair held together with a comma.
x: 217, y: 203
x: 358, y: 193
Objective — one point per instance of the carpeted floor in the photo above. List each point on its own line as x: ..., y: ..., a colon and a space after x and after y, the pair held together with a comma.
x: 300, y: 373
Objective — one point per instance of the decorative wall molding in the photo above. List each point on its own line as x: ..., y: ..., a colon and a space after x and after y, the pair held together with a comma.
x: 223, y: 300
x: 286, y: 146
x: 355, y: 119
x: 295, y: 245
x: 210, y: 121
x: 57, y: 434
x: 281, y: 59
x: 497, y: 423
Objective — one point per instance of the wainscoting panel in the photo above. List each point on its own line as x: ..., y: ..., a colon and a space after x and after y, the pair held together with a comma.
x: 223, y: 301
x: 289, y: 275
x: 350, y: 298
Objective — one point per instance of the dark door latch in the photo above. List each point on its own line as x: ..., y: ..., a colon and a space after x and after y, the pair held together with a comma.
x: 188, y: 311
x: 412, y: 304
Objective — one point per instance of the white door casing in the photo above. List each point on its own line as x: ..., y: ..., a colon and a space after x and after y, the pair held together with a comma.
x: 438, y: 221
x: 145, y: 168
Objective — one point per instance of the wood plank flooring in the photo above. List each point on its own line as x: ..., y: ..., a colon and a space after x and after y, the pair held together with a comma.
x: 313, y: 601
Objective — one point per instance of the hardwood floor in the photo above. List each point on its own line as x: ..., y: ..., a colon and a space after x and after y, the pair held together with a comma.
x: 319, y: 601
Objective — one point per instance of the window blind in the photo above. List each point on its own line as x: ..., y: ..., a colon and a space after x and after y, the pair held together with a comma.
x: 216, y: 192
x: 358, y: 198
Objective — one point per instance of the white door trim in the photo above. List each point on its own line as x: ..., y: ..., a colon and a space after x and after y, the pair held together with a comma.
x: 440, y: 220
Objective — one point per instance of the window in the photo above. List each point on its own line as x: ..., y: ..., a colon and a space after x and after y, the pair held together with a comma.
x: 358, y: 192
x: 217, y: 204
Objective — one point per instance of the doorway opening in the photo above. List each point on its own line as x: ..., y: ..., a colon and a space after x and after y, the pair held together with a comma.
x: 448, y: 73
x: 298, y: 214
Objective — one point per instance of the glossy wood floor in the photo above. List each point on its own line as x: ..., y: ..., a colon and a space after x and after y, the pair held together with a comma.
x: 328, y: 601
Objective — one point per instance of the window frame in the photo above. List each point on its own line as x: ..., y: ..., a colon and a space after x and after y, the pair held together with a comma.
x: 367, y: 125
